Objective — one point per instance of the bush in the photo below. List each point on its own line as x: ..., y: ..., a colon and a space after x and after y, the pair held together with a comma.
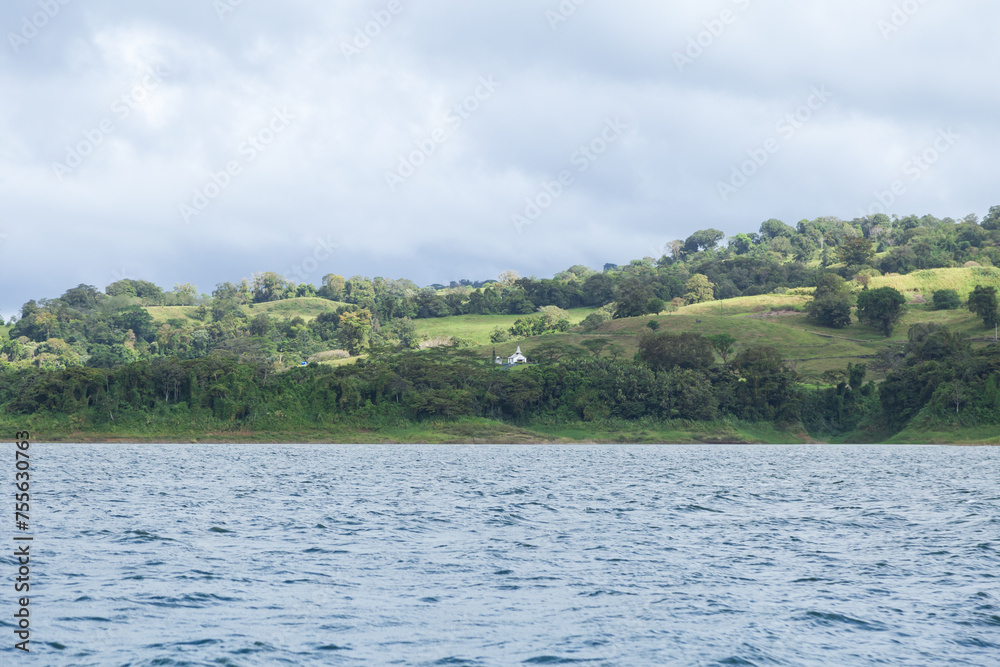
x: 499, y: 335
x: 946, y: 299
x: 594, y: 320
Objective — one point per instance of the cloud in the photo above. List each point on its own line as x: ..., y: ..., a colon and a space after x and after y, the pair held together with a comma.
x: 220, y: 77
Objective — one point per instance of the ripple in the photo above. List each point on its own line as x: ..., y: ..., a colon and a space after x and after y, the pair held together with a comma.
x: 316, y: 555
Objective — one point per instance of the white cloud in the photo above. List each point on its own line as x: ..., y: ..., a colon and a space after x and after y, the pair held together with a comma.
x: 355, y: 117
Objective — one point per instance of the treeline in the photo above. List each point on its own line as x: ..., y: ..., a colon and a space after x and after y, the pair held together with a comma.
x: 937, y: 379
x: 102, y: 329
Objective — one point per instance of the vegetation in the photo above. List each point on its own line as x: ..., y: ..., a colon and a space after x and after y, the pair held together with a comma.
x: 828, y: 329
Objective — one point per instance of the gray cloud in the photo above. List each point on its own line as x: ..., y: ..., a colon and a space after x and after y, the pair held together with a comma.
x: 362, y: 105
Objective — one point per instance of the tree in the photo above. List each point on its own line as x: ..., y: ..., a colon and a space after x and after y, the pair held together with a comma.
x: 508, y: 278
x: 772, y: 229
x: 661, y: 351
x: 832, y: 301
x: 333, y: 287
x: 270, y: 286
x: 742, y: 243
x: 956, y: 392
x: 595, y: 345
x: 499, y: 335
x: 185, y: 294
x: 633, y: 299
x: 767, y: 389
x: 881, y: 308
x: 992, y: 219
x: 983, y: 302
x: 855, y: 251
x: 699, y: 289
x: 723, y: 344
x: 355, y: 331
x: 594, y: 320
x: 703, y: 239
x: 946, y: 299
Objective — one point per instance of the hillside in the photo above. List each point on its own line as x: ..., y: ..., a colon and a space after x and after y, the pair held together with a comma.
x: 778, y: 320
x: 308, y: 308
x: 639, y: 351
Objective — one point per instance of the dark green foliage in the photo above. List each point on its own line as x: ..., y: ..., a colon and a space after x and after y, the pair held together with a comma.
x: 723, y: 344
x: 772, y: 229
x: 704, y: 239
x: 767, y: 389
x: 983, y: 302
x: 634, y: 299
x: 881, y: 308
x: 946, y: 299
x: 662, y: 351
x: 832, y: 301
x: 136, y: 319
x: 992, y: 219
x: 857, y: 251
x: 943, y: 381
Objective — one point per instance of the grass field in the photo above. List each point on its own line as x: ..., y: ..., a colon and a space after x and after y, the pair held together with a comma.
x: 772, y: 319
x: 477, y: 328
x: 962, y: 280
x: 308, y: 308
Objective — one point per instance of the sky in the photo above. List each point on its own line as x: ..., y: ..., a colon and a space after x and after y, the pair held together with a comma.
x: 203, y: 140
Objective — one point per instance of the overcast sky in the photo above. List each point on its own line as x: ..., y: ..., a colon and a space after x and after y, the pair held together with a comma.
x: 201, y: 140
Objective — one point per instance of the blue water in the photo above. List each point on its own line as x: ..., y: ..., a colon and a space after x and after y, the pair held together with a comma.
x: 498, y: 555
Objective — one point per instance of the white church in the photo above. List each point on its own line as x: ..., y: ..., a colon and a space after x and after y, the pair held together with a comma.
x: 516, y: 358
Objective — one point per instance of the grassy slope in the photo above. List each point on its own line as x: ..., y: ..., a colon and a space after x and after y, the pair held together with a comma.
x: 813, y: 349
x: 477, y: 328
x: 305, y: 307
x: 962, y: 280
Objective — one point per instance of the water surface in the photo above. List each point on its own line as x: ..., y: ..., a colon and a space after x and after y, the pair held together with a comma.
x: 489, y: 555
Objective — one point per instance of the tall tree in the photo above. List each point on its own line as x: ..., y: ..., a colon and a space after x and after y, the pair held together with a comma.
x: 881, y: 308
x: 832, y: 301
x: 983, y: 302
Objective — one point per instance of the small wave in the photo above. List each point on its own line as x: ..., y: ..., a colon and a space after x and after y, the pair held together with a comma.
x: 700, y: 508
x: 143, y: 536
x: 217, y: 529
x: 551, y: 660
x: 831, y: 618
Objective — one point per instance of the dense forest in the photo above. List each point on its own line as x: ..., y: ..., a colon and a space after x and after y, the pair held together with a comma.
x: 121, y: 355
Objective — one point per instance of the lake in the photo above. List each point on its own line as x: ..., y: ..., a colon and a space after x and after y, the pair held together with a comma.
x: 498, y: 555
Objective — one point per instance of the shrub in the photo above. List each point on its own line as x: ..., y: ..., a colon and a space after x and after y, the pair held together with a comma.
x: 946, y: 299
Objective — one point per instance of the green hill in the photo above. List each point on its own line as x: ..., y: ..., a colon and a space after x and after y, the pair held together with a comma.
x: 779, y: 321
x: 308, y: 308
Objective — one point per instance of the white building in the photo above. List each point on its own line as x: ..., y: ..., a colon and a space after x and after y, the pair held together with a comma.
x: 516, y: 358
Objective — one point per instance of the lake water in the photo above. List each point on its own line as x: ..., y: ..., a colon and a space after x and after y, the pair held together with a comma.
x: 498, y: 555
